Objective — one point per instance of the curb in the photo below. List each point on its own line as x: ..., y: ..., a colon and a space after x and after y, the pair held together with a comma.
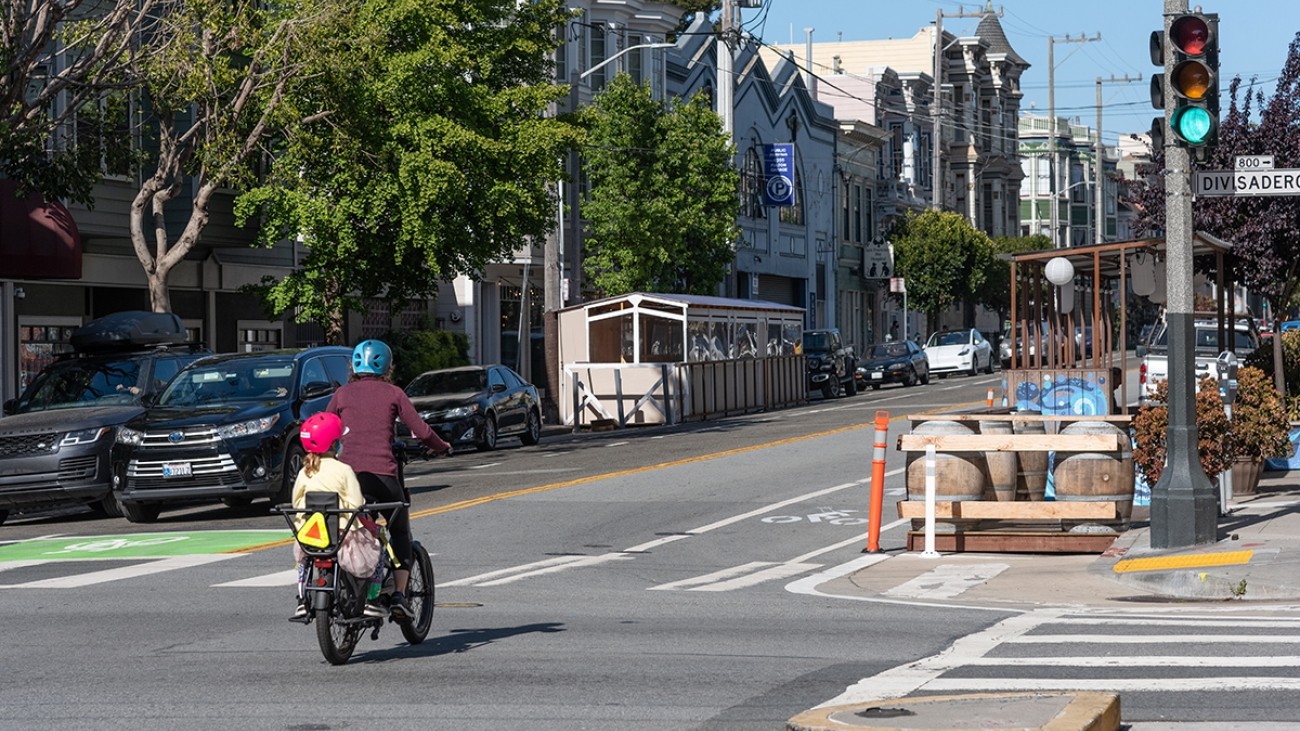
x: 1082, y: 711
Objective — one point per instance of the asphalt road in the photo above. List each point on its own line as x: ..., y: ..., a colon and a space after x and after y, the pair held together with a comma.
x: 642, y: 579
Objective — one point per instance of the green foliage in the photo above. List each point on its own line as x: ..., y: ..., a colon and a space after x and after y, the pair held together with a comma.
x: 995, y: 293
x: 663, y: 207
x: 1262, y: 358
x: 943, y: 258
x: 430, y: 152
x: 1259, y: 422
x: 1151, y: 428
x: 417, y: 351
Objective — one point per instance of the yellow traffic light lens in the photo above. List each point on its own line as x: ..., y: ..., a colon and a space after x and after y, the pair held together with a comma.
x: 1190, y: 34
x: 1192, y: 79
x: 1193, y: 124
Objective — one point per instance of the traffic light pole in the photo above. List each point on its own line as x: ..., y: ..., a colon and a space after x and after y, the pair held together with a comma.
x: 1184, y: 511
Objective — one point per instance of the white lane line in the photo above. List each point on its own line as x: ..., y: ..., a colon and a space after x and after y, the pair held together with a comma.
x: 8, y: 565
x: 1218, y: 684
x: 124, y: 572
x: 643, y: 547
x: 780, y: 571
x: 582, y: 561
x: 279, y: 578
x: 925, y: 673
x: 617, y: 444
x: 773, y: 506
x: 557, y: 561
x: 484, y: 466
x: 1197, y: 638
x: 947, y: 581
x: 1130, y: 661
x: 814, y: 554
x: 715, y: 576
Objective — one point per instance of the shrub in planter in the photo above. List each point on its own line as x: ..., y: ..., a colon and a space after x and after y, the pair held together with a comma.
x: 1259, y: 418
x: 1151, y: 427
x: 1262, y: 359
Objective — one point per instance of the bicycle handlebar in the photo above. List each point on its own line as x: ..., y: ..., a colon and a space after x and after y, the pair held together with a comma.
x: 290, y: 509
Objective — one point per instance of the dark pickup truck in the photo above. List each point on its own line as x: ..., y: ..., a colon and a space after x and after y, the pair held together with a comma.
x: 832, y: 366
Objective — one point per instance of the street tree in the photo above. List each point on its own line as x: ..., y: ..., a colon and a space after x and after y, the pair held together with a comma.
x: 943, y: 259
x: 995, y: 293
x: 64, y: 90
x: 216, y: 80
x: 434, y: 156
x: 1262, y: 230
x: 663, y: 206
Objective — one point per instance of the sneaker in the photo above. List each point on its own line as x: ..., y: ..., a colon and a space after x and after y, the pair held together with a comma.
x: 301, y: 613
x: 399, y: 608
x: 375, y: 610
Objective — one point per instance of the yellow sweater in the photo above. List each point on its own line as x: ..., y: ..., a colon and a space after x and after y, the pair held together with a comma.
x: 333, y: 476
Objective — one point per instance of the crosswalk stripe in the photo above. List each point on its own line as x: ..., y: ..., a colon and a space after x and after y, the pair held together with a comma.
x: 947, y: 581
x: 1129, y: 661
x: 122, y: 572
x: 1218, y: 683
x: 1152, y: 639
x: 780, y: 571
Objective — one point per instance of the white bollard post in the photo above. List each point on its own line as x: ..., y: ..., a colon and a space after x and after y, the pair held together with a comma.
x: 929, y: 551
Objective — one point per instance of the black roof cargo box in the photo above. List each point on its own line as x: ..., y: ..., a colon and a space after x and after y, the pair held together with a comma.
x: 127, y: 330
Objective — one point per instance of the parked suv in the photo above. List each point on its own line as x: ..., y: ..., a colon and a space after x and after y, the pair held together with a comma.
x: 55, y: 439
x: 832, y: 367
x: 226, y: 428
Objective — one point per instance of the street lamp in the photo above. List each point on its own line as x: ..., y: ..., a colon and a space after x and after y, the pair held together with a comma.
x: 1056, y: 201
x: 637, y: 47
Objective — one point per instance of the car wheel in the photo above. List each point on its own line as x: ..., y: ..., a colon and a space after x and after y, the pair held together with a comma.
x: 911, y: 379
x: 988, y: 367
x: 109, y: 506
x: 875, y: 387
x: 926, y: 378
x: 292, y: 463
x: 852, y: 388
x: 828, y: 391
x: 533, y: 433
x: 974, y: 367
x: 141, y: 512
x: 488, y: 441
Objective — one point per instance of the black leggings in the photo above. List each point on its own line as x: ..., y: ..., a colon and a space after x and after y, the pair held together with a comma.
x: 386, y: 489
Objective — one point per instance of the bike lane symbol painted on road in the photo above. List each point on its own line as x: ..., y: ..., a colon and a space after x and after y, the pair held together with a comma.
x: 139, y: 545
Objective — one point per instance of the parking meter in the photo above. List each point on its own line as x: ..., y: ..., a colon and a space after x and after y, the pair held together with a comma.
x: 1227, y: 367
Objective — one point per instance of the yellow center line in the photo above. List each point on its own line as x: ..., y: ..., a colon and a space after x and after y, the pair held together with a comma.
x: 474, y: 502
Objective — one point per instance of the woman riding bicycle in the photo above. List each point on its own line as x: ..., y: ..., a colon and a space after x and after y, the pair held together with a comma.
x: 370, y: 405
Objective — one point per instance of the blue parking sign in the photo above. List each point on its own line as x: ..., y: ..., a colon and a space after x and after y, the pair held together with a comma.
x: 778, y: 174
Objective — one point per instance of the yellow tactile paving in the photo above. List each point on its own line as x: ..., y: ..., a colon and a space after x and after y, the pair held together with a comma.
x: 1189, y: 561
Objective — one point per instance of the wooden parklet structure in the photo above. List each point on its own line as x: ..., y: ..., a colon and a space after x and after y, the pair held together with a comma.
x: 1066, y: 400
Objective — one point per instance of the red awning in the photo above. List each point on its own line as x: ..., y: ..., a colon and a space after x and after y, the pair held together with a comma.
x: 38, y: 240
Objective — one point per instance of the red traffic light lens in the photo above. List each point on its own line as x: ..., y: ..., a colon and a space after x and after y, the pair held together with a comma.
x: 1190, y: 34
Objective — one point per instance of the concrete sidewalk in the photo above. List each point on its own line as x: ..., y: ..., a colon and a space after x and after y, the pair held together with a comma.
x: 1255, y: 559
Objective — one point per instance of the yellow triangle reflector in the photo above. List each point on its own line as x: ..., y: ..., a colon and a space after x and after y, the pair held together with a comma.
x: 313, y: 532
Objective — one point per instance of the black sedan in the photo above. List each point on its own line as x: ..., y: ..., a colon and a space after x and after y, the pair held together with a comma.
x: 902, y: 362
x: 477, y: 405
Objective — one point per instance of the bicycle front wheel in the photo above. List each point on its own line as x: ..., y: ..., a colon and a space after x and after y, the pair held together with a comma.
x: 419, y: 592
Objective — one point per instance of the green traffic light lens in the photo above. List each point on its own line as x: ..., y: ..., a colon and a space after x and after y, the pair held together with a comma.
x: 1193, y: 125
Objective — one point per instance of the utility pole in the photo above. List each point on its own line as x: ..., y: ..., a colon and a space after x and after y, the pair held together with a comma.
x: 936, y: 111
x: 1052, y: 168
x: 726, y: 70
x: 1184, y: 503
x: 1098, y: 195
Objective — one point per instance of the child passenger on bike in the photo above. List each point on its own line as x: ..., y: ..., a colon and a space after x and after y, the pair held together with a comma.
x: 323, y: 472
x: 371, y: 406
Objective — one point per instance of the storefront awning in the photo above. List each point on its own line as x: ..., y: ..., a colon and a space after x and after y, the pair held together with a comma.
x: 38, y: 240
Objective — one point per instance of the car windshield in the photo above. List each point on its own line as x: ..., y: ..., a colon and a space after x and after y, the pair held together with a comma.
x: 889, y: 350
x: 439, y: 382
x: 950, y: 338
x: 1208, y: 339
x: 252, y: 379
x: 816, y: 341
x: 83, y: 382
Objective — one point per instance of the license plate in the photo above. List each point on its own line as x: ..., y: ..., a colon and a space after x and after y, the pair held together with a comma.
x: 177, y: 469
x: 877, y: 375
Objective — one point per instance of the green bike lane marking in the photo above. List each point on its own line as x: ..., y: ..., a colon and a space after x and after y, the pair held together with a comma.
x: 137, y: 545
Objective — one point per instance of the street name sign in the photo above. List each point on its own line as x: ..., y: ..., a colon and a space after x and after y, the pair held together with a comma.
x: 1246, y: 182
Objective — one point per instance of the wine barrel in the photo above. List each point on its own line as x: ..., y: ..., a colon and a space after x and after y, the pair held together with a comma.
x: 959, y: 476
x: 1002, y: 466
x: 1031, y: 477
x: 1097, y: 476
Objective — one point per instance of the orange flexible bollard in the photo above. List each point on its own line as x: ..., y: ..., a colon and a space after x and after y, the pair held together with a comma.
x: 989, y: 401
x: 877, y: 483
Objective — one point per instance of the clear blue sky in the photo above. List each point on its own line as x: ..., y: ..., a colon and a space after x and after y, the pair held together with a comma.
x: 1253, y: 39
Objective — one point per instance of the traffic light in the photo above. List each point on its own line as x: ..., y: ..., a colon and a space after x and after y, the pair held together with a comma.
x: 1158, y: 89
x: 1194, y: 79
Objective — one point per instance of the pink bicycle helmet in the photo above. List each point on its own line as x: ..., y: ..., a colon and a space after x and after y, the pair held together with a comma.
x: 320, y: 432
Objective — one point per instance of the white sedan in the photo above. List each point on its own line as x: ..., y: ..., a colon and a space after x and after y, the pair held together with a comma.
x: 959, y: 351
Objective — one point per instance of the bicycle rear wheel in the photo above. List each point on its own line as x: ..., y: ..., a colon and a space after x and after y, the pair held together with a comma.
x: 337, y: 640
x: 419, y: 592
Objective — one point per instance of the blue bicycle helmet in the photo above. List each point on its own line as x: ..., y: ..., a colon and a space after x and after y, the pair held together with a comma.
x: 371, y: 357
